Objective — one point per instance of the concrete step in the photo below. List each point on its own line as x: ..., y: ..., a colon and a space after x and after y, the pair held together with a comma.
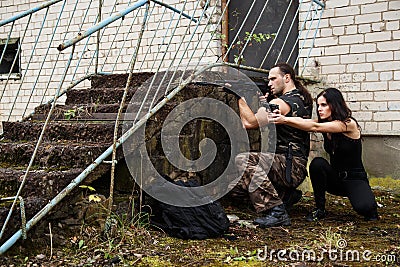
x: 119, y: 80
x: 38, y: 182
x: 98, y: 96
x: 32, y: 206
x: 51, y: 154
x: 100, y: 132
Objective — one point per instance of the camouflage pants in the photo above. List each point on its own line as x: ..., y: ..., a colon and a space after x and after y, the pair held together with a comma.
x: 263, y: 179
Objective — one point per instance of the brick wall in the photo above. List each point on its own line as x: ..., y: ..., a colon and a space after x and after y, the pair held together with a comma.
x: 357, y: 50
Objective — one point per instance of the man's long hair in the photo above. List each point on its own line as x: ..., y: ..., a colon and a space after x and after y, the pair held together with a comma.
x: 287, y: 69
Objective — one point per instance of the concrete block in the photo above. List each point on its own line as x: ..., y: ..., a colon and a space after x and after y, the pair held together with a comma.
x: 364, y: 28
x: 353, y: 29
x: 384, y: 126
x: 361, y: 2
x: 387, y: 95
x: 394, y: 85
x: 347, y: 11
x: 386, y: 66
x: 380, y: 56
x: 362, y: 115
x: 352, y: 58
x: 391, y: 15
x: 341, y: 21
x: 337, y: 50
x: 360, y: 96
x: 374, y: 8
x: 394, y: 5
x: 351, y: 39
x: 359, y: 77
x: 333, y: 69
x: 363, y: 48
x: 327, y: 41
x: 349, y: 87
x: 386, y: 116
x: 388, y: 45
x: 337, y: 3
x: 392, y: 25
x: 360, y: 67
x: 374, y: 86
x: 374, y: 105
x: 378, y: 26
x: 329, y: 60
x: 378, y: 36
x: 367, y: 18
x: 386, y: 76
x: 370, y: 126
x: 397, y: 75
x: 394, y: 105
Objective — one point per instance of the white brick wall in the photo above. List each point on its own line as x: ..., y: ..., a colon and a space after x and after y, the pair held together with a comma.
x: 365, y: 36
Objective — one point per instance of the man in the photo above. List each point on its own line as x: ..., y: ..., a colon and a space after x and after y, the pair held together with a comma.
x: 270, y: 178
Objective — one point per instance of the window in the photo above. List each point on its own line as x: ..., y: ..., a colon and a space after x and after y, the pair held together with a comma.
x: 8, y: 55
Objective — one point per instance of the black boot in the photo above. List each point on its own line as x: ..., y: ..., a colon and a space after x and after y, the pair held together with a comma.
x: 291, y: 198
x: 316, y: 215
x: 277, y: 216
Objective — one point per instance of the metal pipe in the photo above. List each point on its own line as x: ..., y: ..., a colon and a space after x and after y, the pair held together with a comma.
x: 28, y: 12
x: 96, y: 64
x: 121, y: 107
x: 174, y: 9
x: 319, y: 3
x: 101, y: 25
x: 225, y: 30
x: 38, y: 216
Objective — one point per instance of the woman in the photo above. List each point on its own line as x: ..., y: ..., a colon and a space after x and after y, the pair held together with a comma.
x: 344, y: 175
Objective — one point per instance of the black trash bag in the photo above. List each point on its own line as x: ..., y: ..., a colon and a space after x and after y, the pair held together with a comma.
x: 201, y: 222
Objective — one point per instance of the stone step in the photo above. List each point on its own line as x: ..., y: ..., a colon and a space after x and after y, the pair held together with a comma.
x: 51, y: 154
x: 99, y: 132
x: 41, y: 182
x: 32, y: 205
x: 98, y: 96
x: 119, y: 80
x: 38, y: 182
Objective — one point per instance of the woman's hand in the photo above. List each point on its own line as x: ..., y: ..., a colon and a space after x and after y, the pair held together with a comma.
x: 276, y: 117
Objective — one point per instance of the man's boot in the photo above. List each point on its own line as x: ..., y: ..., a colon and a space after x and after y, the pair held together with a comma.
x: 277, y: 216
x: 292, y: 197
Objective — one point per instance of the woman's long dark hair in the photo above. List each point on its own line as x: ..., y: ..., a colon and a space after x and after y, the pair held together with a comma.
x: 339, y: 109
x: 287, y: 69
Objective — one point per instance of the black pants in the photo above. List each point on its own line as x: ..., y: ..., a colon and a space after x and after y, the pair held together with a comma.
x: 325, y: 179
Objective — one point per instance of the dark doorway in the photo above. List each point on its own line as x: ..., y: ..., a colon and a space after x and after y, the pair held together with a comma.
x: 269, y: 24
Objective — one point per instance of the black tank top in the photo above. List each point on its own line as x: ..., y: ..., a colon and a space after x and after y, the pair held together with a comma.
x: 300, y: 140
x: 345, y: 152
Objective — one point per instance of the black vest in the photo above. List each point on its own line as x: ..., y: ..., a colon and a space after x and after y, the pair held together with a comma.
x: 285, y: 135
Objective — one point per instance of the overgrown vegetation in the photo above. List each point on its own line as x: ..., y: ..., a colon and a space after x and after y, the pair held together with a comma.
x: 131, y: 241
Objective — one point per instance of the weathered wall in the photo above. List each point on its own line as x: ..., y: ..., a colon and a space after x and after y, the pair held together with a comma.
x: 357, y: 50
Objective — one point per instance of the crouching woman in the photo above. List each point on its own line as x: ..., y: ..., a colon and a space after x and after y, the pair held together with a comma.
x: 344, y: 175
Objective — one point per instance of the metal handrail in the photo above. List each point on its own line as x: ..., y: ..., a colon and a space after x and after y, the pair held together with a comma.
x: 28, y: 12
x: 111, y: 19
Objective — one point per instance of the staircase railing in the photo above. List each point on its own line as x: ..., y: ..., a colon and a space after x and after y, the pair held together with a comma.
x: 197, y: 44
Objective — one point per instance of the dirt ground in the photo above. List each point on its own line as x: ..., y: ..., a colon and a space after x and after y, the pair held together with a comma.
x: 342, y: 239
